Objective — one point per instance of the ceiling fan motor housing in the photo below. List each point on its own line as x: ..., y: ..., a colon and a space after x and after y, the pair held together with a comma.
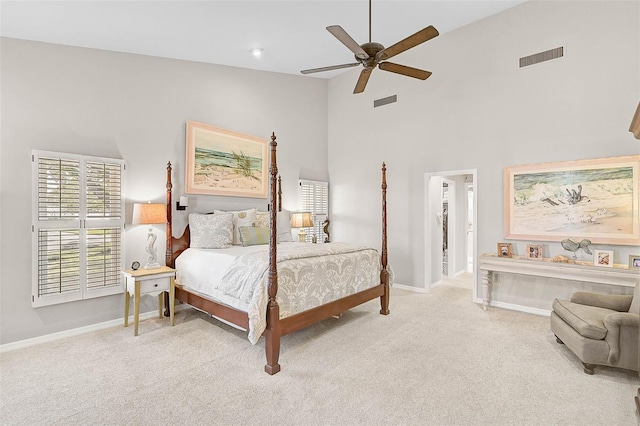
x: 371, y: 49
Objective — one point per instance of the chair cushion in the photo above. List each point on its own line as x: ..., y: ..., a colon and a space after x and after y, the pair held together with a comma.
x: 635, y: 303
x: 588, y: 321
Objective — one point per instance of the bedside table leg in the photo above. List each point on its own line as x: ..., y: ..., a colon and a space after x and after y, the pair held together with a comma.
x: 127, y: 296
x: 160, y: 303
x: 172, y: 300
x: 136, y: 308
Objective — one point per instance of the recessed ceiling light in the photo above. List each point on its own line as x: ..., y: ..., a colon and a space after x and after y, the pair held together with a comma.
x: 257, y: 52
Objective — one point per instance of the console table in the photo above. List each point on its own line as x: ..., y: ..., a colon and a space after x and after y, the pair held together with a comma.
x: 490, y: 264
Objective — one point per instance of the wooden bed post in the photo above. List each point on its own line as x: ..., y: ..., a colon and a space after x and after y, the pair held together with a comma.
x: 168, y: 258
x: 169, y: 252
x: 279, y: 193
x: 384, y: 273
x: 272, y: 332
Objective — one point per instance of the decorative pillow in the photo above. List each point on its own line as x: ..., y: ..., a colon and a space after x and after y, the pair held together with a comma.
x: 262, y: 219
x: 254, y: 235
x: 240, y: 218
x: 211, y: 231
x: 284, y: 226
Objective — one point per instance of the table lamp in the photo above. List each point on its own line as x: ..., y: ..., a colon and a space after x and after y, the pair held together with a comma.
x: 150, y: 214
x: 301, y: 220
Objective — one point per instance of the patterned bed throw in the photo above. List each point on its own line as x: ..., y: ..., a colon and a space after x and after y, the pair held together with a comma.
x: 309, y: 275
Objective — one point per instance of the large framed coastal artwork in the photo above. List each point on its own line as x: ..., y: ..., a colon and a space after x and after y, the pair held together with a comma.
x: 223, y: 162
x: 587, y: 199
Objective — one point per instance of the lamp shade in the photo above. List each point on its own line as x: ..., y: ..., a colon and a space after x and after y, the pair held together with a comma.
x: 635, y: 124
x: 148, y: 214
x: 301, y: 220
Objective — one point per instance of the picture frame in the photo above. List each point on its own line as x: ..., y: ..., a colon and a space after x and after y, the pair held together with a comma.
x: 634, y: 261
x: 603, y: 258
x: 596, y: 199
x: 224, y: 162
x: 504, y: 250
x: 534, y: 251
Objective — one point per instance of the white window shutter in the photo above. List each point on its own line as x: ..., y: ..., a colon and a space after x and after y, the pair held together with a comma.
x: 58, y: 260
x: 58, y: 188
x: 77, y: 227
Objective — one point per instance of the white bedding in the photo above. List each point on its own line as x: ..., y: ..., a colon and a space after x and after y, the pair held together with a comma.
x: 309, y: 275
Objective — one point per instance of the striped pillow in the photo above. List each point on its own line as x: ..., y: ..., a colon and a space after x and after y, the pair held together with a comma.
x: 254, y: 235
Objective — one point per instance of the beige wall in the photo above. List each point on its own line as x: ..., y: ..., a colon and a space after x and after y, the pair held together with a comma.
x: 479, y: 111
x: 133, y: 107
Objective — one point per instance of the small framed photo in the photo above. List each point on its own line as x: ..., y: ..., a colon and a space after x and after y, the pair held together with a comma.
x: 504, y: 250
x: 603, y: 258
x: 634, y: 261
x: 534, y: 251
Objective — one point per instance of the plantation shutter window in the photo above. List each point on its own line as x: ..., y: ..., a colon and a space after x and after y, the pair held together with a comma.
x: 314, y: 198
x: 78, y: 219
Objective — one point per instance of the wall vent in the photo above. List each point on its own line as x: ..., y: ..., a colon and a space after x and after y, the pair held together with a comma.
x: 536, y: 58
x: 385, y: 101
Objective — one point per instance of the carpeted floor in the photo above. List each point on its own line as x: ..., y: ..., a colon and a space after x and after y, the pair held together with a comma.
x: 438, y: 359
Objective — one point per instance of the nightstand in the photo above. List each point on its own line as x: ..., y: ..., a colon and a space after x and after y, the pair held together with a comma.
x: 148, y: 281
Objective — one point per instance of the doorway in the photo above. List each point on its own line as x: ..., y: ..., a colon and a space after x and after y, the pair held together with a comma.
x: 449, y: 223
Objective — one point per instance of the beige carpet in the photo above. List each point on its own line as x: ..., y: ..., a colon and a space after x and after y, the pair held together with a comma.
x: 438, y: 359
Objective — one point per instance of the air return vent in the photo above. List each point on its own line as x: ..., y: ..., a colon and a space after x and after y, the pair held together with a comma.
x: 385, y: 101
x: 536, y: 58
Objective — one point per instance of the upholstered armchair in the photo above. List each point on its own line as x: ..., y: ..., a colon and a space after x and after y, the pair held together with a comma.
x: 601, y: 329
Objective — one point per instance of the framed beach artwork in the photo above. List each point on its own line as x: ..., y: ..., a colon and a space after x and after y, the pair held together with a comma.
x: 223, y: 162
x: 594, y: 199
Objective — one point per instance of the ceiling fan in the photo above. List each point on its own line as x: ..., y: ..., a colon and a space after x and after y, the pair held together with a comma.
x: 372, y: 54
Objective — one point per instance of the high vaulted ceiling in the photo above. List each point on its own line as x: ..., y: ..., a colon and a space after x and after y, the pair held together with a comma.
x: 291, y: 33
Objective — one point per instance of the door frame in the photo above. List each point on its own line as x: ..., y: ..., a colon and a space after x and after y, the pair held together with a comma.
x: 468, y: 185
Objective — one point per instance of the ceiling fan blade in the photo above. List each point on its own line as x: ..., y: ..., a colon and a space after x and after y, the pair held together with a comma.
x: 346, y: 39
x: 404, y: 70
x: 330, y: 68
x: 409, y: 42
x: 362, y: 80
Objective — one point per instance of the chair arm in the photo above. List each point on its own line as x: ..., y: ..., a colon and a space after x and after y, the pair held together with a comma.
x: 615, y: 302
x: 613, y: 323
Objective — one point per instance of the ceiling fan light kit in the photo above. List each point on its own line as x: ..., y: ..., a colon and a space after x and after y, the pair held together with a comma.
x: 372, y: 54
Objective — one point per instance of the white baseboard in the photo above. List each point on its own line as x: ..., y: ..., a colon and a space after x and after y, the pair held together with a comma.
x: 410, y: 288
x: 514, y: 307
x: 80, y: 330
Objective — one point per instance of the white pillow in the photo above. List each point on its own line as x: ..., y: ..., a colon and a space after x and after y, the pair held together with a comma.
x: 240, y: 218
x: 284, y: 226
x: 211, y: 231
x: 263, y: 219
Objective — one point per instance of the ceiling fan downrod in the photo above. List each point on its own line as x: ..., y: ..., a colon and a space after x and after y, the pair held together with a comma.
x: 369, y: 21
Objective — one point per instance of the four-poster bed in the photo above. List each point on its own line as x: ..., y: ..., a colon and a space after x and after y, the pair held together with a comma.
x: 291, y: 320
